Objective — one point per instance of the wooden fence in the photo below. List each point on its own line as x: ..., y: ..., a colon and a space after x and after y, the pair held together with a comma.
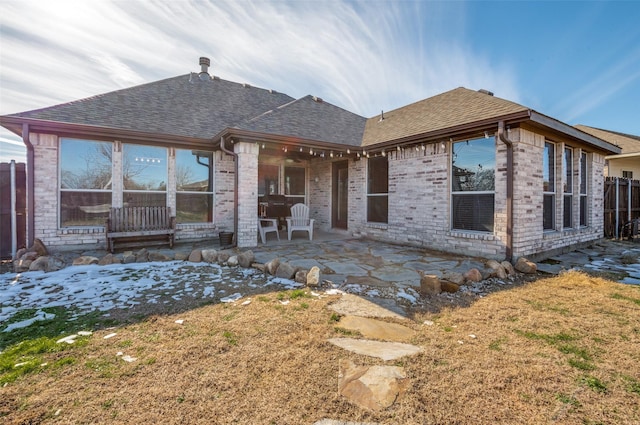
x: 13, y: 206
x: 621, y: 204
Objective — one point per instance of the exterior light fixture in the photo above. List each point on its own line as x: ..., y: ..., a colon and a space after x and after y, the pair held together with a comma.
x: 486, y: 134
x: 348, y: 151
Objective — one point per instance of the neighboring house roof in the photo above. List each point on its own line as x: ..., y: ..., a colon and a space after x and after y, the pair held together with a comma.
x: 309, y: 118
x: 181, y: 106
x: 629, y: 143
x: 450, y: 109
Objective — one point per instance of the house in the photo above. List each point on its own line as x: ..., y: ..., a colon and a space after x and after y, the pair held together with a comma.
x: 627, y: 163
x: 463, y: 171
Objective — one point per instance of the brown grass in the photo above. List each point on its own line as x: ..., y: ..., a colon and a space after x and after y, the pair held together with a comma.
x: 564, y: 350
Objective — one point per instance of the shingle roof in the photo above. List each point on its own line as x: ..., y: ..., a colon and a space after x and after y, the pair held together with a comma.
x: 628, y: 142
x: 453, y: 108
x: 310, y: 118
x: 172, y: 106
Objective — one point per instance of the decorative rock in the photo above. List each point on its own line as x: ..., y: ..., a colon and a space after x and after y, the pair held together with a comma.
x: 142, y: 256
x: 454, y: 277
x: 85, y: 260
x: 508, y: 267
x: 21, y: 265
x: 223, y: 257
x: 29, y: 255
x: 54, y: 264
x: 380, y: 349
x: 313, y: 277
x: 108, y: 259
x: 497, y: 269
x: 377, y: 329
x: 232, y: 261
x: 301, y: 276
x: 209, y: 255
x: 40, y: 264
x: 449, y: 287
x: 285, y: 271
x: 246, y: 258
x: 372, y: 387
x: 128, y: 258
x: 39, y: 248
x: 430, y: 285
x: 158, y: 256
x: 258, y: 266
x: 20, y: 253
x: 525, y: 266
x: 195, y: 256
x: 272, y: 266
x: 473, y: 275
x: 182, y: 256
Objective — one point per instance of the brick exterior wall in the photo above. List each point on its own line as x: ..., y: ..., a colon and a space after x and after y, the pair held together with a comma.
x: 419, y: 199
x: 320, y: 193
x: 247, y: 193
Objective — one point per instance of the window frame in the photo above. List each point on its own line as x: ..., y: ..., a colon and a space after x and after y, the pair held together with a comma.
x: 209, y: 193
x: 549, y: 186
x: 62, y: 191
x: 150, y: 192
x: 458, y: 194
x: 567, y: 195
x: 584, y: 190
x: 377, y: 197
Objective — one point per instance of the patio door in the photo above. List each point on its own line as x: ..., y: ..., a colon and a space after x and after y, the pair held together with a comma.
x: 340, y: 185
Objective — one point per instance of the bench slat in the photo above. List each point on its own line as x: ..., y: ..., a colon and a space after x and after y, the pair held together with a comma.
x: 127, y: 222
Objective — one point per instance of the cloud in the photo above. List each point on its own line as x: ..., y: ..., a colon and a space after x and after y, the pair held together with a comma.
x: 362, y: 56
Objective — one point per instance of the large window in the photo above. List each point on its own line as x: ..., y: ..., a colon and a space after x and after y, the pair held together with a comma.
x: 473, y: 184
x: 567, y: 166
x: 549, y: 186
x: 194, y: 186
x: 378, y: 190
x: 144, y: 176
x: 85, y: 182
x: 583, y: 190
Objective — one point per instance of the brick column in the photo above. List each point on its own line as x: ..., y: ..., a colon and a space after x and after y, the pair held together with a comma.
x: 247, y: 194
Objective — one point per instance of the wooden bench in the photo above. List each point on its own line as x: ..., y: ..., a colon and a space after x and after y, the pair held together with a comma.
x: 138, y: 225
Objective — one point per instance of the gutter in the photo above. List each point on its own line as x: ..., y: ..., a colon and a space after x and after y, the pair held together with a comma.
x: 30, y: 184
x: 509, y: 144
x: 224, y: 149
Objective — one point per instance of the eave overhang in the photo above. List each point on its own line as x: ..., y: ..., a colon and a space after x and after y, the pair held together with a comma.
x: 64, y: 129
x: 252, y: 136
x: 573, y: 132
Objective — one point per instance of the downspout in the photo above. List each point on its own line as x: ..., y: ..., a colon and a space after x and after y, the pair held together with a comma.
x: 235, y: 189
x: 509, y: 145
x: 30, y: 185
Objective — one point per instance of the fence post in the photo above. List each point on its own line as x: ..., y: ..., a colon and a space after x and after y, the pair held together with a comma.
x: 617, y: 205
x: 14, y: 224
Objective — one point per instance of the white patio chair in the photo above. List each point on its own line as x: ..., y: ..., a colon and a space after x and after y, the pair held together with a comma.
x: 300, y: 220
x: 266, y: 225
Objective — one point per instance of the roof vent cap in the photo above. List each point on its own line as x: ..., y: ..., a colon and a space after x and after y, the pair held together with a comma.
x: 484, y: 91
x: 316, y: 99
x: 204, y: 69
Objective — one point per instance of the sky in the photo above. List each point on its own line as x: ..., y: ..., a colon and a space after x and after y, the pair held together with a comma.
x: 576, y: 61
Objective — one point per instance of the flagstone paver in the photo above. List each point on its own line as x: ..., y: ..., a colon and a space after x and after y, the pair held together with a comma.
x: 377, y: 329
x: 380, y: 349
x: 350, y: 304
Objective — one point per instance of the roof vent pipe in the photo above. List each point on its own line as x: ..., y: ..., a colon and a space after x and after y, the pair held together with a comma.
x: 204, y: 69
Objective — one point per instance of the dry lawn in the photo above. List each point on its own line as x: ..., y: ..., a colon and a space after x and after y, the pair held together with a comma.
x: 564, y: 350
